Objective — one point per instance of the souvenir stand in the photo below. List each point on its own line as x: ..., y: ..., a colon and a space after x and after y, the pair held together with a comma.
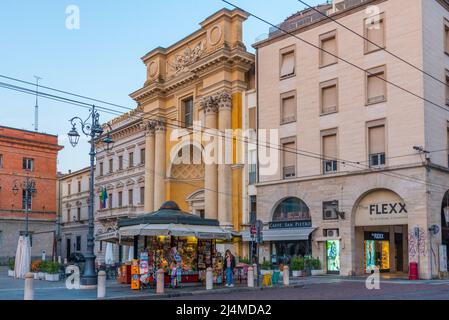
x: 178, y: 242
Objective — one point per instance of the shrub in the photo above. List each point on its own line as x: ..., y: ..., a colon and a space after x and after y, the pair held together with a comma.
x: 44, y: 266
x: 36, y: 265
x: 11, y: 264
x: 266, y: 265
x: 297, y: 264
x: 315, y: 264
x: 53, y: 267
x: 244, y: 260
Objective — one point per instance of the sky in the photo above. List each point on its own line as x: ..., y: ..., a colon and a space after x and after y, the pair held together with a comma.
x: 101, y: 59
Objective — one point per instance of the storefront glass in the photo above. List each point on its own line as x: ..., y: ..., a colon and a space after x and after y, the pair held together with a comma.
x: 377, y: 251
x: 333, y: 256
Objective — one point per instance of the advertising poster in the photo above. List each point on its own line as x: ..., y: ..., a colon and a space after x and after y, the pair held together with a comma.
x: 143, y: 263
x: 370, y: 259
x: 333, y: 255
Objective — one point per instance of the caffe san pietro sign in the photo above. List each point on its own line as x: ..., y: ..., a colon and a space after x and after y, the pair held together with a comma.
x: 382, y: 208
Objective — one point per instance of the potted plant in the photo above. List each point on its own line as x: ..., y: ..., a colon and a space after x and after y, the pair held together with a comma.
x: 52, y: 271
x: 316, y: 267
x: 11, y: 265
x: 297, y: 266
x: 265, y: 267
x: 42, y: 270
x: 35, y: 267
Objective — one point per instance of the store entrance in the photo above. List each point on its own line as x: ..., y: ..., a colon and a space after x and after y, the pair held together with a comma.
x: 283, y: 251
x: 377, y: 251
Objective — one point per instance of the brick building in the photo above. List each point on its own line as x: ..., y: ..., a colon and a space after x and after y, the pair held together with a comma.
x: 34, y: 155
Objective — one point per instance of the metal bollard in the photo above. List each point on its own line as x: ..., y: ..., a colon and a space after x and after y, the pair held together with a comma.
x: 209, y: 279
x: 286, y: 274
x: 29, y: 288
x: 160, y: 281
x: 101, y: 288
x: 251, y: 277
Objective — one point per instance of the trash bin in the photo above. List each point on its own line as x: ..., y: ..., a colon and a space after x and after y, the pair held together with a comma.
x: 413, y: 271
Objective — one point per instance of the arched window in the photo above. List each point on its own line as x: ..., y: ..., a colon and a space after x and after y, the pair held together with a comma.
x: 291, y: 209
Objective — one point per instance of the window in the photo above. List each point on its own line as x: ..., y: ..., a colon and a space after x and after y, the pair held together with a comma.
x: 253, y: 209
x: 376, y: 136
x: 79, y: 186
x: 328, y: 42
x: 120, y: 199
x: 1, y: 161
x: 130, y: 197
x: 111, y: 165
x: 292, y: 209
x: 252, y: 172
x: 447, y: 144
x: 142, y: 195
x: 202, y: 214
x: 252, y: 115
x: 1, y: 239
x: 446, y: 36
x: 376, y: 86
x: 78, y: 215
x: 69, y: 218
x: 120, y: 162
x: 187, y: 112
x: 110, y: 201
x: 288, y: 107
x: 69, y: 189
x: 329, y: 96
x: 28, y: 164
x: 287, y: 67
x: 78, y: 243
x: 101, y: 169
x: 447, y: 96
x: 142, y: 156
x: 375, y: 32
x: 289, y: 158
x: 131, y: 159
x: 330, y: 164
x: 26, y: 205
x: 330, y: 209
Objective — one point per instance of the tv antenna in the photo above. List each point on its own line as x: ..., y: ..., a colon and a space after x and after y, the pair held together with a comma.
x: 36, y: 108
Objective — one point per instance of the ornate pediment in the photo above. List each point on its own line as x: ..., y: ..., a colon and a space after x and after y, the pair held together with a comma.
x: 181, y: 62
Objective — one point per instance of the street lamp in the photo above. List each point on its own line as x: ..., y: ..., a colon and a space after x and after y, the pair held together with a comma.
x: 95, y: 131
x: 29, y: 186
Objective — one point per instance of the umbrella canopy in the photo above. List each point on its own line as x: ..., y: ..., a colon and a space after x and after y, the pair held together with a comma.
x: 23, y: 258
x: 109, y: 256
x: 131, y: 254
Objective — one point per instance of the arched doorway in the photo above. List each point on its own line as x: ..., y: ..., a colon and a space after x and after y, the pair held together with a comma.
x: 381, y: 232
x: 290, y: 230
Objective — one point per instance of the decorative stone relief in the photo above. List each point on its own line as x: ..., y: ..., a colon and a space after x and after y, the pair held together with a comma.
x: 190, y: 56
x: 213, y: 103
x: 215, y: 35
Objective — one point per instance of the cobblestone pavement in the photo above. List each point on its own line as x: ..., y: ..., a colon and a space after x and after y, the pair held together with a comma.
x: 317, y: 288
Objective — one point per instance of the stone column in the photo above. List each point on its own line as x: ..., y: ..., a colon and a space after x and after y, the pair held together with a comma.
x: 225, y: 161
x: 210, y: 108
x: 149, y: 167
x: 159, y: 164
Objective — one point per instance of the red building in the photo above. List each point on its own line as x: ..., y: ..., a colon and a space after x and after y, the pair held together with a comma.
x: 34, y: 155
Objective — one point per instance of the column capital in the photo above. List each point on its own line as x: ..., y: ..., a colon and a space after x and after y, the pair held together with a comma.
x: 209, y: 105
x: 158, y: 125
x: 224, y: 101
x: 218, y: 101
x: 148, y: 127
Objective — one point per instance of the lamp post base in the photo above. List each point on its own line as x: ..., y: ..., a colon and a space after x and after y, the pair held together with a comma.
x: 89, y: 277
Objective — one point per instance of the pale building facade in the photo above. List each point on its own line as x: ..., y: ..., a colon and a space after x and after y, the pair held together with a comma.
x: 350, y: 188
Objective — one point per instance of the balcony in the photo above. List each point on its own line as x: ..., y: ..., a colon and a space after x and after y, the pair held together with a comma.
x: 119, y: 212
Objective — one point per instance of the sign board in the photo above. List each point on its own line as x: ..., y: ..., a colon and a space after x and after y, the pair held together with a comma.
x: 443, y: 258
x: 253, y: 230
x: 377, y: 236
x: 381, y: 208
x: 290, y: 224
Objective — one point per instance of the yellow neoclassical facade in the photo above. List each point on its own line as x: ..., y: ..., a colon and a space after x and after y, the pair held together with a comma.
x: 195, y: 85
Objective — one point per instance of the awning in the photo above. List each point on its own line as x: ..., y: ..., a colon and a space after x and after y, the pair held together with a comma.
x: 176, y: 230
x: 281, y: 234
x: 113, y: 237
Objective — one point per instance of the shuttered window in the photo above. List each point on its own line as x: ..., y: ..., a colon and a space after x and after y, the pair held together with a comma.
x: 376, y: 86
x: 329, y: 97
x: 447, y: 87
x: 288, y: 108
x: 375, y: 32
x: 328, y: 43
x: 377, y: 140
x: 330, y: 147
x: 252, y: 118
x: 446, y: 36
x: 187, y: 112
x: 287, y: 64
x: 289, y: 158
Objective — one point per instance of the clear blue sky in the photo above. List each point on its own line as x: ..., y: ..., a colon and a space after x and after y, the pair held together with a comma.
x: 102, y: 58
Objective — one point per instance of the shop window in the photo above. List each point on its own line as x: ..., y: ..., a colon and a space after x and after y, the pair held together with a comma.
x: 328, y: 43
x: 187, y: 112
x: 28, y: 164
x: 375, y: 32
x: 288, y: 107
x: 446, y: 36
x: 329, y: 96
x: 131, y: 159
x: 376, y: 86
x: 333, y: 256
x: 288, y: 158
x: 377, y: 154
x: 120, y: 163
x: 287, y: 67
x: 130, y: 197
x: 330, y: 163
x: 377, y: 251
x: 120, y: 199
x: 330, y: 210
x: 291, y: 209
x: 101, y: 173
x: 142, y: 156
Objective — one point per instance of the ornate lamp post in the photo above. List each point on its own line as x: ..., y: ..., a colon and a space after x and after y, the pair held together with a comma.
x: 95, y: 131
x: 29, y: 186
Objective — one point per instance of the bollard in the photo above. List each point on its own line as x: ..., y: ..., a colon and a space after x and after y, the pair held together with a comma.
x: 29, y: 289
x: 256, y: 274
x: 209, y: 279
x: 101, y: 288
x: 59, y: 260
x: 251, y: 277
x: 286, y: 274
x: 160, y: 281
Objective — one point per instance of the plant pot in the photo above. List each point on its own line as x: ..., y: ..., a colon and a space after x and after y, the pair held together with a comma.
x: 297, y: 273
x: 52, y: 277
x: 41, y: 275
x: 317, y: 272
x: 36, y: 276
x: 10, y: 273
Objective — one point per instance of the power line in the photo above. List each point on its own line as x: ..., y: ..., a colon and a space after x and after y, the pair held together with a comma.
x: 338, y: 57
x: 373, y: 43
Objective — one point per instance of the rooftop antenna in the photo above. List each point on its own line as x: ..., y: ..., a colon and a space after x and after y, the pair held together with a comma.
x: 36, y: 108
